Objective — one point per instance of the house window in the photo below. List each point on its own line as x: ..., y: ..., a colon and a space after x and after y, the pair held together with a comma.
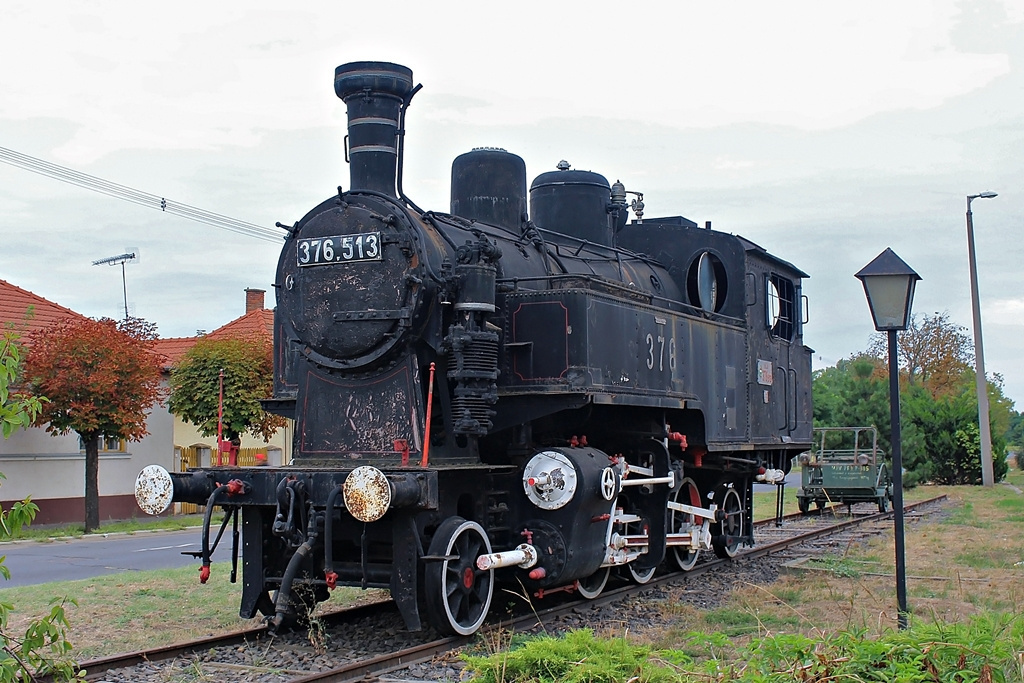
x: 780, y: 307
x: 107, y: 444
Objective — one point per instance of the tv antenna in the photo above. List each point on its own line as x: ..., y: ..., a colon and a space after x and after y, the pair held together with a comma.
x: 130, y: 256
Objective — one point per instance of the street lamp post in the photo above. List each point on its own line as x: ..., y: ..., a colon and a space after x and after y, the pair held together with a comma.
x: 889, y: 285
x: 984, y: 429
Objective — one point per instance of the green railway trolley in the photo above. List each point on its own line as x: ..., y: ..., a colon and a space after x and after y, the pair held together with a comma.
x: 844, y: 466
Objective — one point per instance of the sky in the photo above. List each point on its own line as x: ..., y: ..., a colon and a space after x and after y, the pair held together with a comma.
x: 824, y: 132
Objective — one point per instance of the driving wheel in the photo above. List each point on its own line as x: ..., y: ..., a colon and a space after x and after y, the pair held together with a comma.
x: 682, y: 557
x: 458, y: 594
x: 731, y: 526
x: 592, y: 586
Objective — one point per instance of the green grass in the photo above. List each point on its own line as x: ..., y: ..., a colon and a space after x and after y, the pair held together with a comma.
x: 981, y: 649
x: 838, y: 566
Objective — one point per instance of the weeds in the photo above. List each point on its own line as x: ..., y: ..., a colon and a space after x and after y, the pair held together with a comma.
x: 986, y: 648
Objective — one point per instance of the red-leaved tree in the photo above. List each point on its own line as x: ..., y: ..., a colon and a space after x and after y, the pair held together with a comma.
x: 101, y: 378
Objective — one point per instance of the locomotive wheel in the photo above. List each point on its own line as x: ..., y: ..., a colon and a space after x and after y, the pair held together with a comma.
x: 642, y: 527
x: 458, y: 594
x: 804, y: 504
x: 592, y: 586
x: 640, y: 576
x: 732, y: 525
x: 687, y: 494
x: 883, y: 503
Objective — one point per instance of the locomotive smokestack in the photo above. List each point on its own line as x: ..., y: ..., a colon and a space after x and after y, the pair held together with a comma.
x: 375, y: 93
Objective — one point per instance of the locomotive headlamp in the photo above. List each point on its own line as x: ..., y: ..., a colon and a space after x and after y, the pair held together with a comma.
x: 154, y: 489
x: 367, y: 493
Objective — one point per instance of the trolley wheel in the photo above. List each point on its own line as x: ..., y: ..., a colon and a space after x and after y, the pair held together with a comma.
x: 592, y: 586
x: 731, y: 525
x: 458, y: 594
x: 883, y: 503
x: 804, y: 505
x: 680, y: 522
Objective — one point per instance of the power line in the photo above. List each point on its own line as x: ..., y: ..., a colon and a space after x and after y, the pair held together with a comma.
x: 129, y: 194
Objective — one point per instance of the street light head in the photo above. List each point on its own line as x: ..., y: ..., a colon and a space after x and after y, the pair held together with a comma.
x: 889, y: 286
x: 982, y: 195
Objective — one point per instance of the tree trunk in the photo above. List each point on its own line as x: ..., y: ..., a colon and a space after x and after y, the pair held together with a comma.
x: 92, y: 481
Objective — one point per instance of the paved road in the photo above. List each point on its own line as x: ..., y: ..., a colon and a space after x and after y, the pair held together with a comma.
x: 34, y: 562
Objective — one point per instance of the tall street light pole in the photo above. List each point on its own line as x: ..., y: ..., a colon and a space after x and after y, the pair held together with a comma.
x: 889, y: 285
x: 984, y: 429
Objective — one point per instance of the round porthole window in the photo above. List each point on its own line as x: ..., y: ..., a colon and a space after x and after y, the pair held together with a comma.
x: 706, y: 283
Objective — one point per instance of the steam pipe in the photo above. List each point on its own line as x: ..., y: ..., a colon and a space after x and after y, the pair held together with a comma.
x: 401, y: 148
x: 204, y: 570
x: 284, y: 596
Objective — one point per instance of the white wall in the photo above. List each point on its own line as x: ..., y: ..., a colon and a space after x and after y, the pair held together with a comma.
x: 43, y: 466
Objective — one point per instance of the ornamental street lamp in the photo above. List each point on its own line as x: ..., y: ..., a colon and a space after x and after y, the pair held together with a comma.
x: 889, y: 285
x: 984, y: 429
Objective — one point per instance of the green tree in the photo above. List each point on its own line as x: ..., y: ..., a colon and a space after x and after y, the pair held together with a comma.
x: 933, y: 352
x: 17, y: 409
x: 44, y: 647
x: 101, y: 378
x: 855, y: 393
x: 1014, y: 437
x: 248, y: 377
x: 949, y: 427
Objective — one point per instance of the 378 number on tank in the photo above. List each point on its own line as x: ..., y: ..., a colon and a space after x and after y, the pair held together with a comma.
x: 493, y: 395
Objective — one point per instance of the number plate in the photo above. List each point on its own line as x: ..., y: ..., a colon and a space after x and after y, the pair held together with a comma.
x: 319, y: 251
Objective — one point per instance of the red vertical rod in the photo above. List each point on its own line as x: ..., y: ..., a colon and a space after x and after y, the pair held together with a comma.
x: 430, y: 404
x: 220, y: 420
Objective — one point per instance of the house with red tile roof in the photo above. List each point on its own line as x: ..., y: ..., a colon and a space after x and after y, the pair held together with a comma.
x: 51, y: 469
x: 189, y: 445
x: 25, y: 312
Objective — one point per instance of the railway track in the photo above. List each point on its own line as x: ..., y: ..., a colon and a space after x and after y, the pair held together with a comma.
x: 369, y: 640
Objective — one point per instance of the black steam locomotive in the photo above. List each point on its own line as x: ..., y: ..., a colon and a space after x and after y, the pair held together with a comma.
x: 492, y: 395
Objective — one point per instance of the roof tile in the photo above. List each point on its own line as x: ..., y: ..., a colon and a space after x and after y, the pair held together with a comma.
x: 29, y: 312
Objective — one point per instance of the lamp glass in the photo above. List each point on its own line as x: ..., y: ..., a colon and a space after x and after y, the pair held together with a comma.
x: 889, y: 297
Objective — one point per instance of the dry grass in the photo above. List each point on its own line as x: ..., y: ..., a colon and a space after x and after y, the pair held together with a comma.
x: 126, y: 612
x: 966, y: 561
